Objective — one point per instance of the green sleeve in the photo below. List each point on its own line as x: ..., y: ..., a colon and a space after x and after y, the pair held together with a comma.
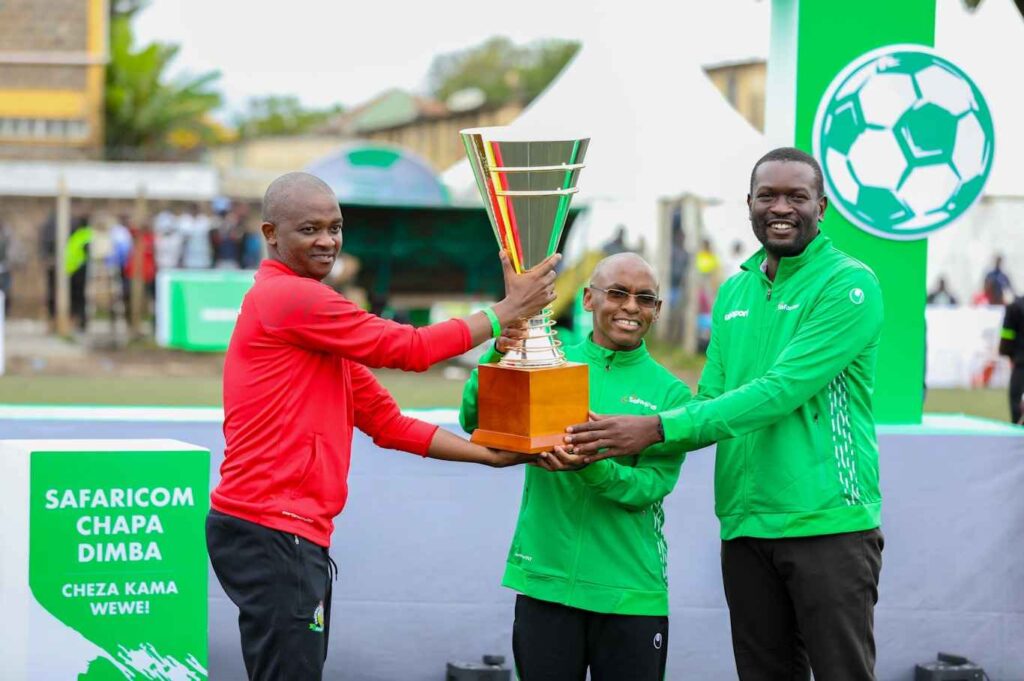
x: 846, y: 319
x: 650, y: 480
x: 468, y: 409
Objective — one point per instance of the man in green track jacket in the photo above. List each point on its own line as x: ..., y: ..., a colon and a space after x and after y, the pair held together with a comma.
x: 786, y: 394
x: 588, y: 556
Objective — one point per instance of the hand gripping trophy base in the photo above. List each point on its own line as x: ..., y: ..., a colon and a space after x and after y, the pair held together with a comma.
x: 529, y: 397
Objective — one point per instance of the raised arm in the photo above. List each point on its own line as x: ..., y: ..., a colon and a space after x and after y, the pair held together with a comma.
x: 838, y: 329
x: 313, y: 316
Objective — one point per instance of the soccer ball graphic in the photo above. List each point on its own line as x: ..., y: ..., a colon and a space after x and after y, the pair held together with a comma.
x: 905, y: 141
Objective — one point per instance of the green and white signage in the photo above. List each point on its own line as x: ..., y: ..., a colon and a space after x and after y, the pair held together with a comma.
x: 104, y: 567
x: 905, y: 140
x: 196, y: 309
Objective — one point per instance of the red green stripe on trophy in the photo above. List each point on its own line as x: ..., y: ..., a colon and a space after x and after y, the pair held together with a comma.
x: 482, y: 186
x: 509, y: 204
x: 502, y: 206
x: 563, y: 203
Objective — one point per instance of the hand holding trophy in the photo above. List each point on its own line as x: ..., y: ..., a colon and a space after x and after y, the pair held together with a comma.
x: 529, y: 397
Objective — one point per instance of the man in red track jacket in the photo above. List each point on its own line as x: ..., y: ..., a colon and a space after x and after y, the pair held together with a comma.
x: 296, y: 383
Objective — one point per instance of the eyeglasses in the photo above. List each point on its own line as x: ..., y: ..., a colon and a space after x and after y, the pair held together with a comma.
x: 617, y: 295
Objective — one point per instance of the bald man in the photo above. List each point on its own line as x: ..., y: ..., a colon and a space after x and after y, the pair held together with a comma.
x: 296, y: 383
x: 588, y: 556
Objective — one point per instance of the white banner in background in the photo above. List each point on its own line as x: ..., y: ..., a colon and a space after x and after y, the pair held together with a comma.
x: 963, y: 347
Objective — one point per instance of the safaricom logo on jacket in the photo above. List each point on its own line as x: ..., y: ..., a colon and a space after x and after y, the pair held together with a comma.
x: 633, y: 399
x: 736, y: 313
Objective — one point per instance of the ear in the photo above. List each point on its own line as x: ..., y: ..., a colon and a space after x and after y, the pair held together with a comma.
x: 657, y: 312
x: 750, y: 206
x: 588, y: 300
x: 822, y: 205
x: 269, y: 230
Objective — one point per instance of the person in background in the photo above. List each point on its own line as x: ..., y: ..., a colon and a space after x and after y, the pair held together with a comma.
x: 731, y: 262
x: 143, y: 253
x: 997, y: 284
x: 679, y: 272
x: 7, y: 257
x: 1011, y: 344
x: 618, y: 243
x: 941, y: 295
x: 251, y: 250
x: 197, y: 253
x: 227, y: 238
x: 121, y: 253
x: 48, y: 260
x: 709, y: 271
x: 76, y: 266
x: 169, y: 239
x: 988, y: 295
x: 707, y: 262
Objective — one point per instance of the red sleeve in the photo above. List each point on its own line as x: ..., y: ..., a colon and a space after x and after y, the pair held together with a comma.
x: 377, y: 414
x: 308, y: 314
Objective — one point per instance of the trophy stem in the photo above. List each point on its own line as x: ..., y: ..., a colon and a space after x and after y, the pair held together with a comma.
x: 540, y: 348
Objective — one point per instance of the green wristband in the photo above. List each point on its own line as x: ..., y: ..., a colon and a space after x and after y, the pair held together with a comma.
x: 495, y: 324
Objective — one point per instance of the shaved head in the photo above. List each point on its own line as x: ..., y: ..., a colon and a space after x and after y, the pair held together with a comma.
x: 623, y: 297
x: 302, y: 224
x: 606, y: 270
x: 285, y: 195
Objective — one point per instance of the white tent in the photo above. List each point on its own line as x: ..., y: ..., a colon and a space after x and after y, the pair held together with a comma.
x: 989, y: 45
x: 658, y: 126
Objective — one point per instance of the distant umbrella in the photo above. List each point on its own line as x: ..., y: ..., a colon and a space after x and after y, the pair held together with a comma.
x: 375, y: 174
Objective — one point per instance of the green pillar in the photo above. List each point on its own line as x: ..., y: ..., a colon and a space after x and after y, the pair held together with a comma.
x: 812, y: 41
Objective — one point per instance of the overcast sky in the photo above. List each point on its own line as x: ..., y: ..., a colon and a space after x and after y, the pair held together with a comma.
x: 347, y: 52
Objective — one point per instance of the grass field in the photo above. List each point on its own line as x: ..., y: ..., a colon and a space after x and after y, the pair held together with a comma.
x: 431, y: 389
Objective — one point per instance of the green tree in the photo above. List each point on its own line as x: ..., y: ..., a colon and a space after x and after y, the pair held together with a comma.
x: 280, y: 115
x: 126, y: 8
x: 501, y: 69
x: 544, y: 63
x: 148, y: 115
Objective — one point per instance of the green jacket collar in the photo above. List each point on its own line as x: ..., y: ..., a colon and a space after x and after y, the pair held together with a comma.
x: 789, y: 266
x: 619, y: 358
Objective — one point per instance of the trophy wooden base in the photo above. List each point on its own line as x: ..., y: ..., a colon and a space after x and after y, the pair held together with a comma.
x: 528, y: 410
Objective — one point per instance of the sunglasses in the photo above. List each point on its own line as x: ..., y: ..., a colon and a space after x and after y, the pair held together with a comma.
x: 617, y: 295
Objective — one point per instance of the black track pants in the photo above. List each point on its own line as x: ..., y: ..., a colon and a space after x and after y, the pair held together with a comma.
x: 803, y: 604
x: 281, y: 584
x: 553, y: 642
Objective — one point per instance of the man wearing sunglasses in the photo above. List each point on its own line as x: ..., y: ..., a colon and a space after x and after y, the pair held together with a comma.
x: 786, y: 395
x: 588, y: 556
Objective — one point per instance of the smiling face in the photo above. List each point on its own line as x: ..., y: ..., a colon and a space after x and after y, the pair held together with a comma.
x: 785, y: 207
x: 621, y: 324
x: 305, y: 233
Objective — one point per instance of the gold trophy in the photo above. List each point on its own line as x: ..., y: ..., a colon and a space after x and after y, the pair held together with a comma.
x: 527, y: 399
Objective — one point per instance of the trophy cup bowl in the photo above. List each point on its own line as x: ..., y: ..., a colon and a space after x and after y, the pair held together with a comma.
x: 527, y: 399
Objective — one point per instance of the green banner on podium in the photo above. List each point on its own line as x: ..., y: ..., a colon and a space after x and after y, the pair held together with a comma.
x: 104, y: 566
